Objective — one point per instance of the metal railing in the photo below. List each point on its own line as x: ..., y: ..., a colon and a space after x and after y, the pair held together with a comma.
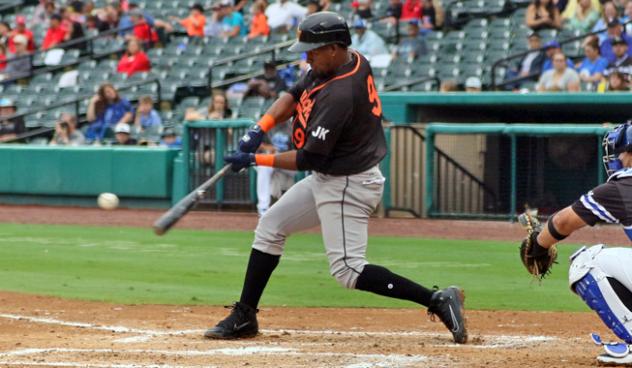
x: 407, y: 168
x: 228, y: 60
x: 504, y: 61
x: 408, y: 83
x: 76, y: 104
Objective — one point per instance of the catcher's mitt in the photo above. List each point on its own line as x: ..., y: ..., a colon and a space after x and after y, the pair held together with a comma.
x: 537, y: 259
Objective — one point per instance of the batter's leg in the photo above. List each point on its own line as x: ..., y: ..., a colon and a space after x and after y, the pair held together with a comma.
x: 344, y: 206
x: 294, y: 211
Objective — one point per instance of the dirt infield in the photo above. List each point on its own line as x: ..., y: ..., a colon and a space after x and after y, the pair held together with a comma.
x: 44, y: 331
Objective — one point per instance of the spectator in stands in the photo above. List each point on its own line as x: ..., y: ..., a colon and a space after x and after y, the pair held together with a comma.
x: 146, y: 116
x: 43, y: 11
x: 531, y: 63
x: 412, y: 10
x: 55, y: 34
x: 142, y: 30
x: 615, y: 32
x: 225, y: 22
x: 313, y: 6
x: 134, y: 60
x: 570, y: 8
x: 617, y: 82
x: 622, y: 62
x: 473, y: 84
x: 366, y: 41
x: 560, y: 78
x: 170, y: 139
x: 591, y: 69
x: 268, y: 85
x: 361, y: 9
x: 412, y: 46
x: 66, y: 133
x: 123, y: 135
x: 583, y: 19
x: 105, y: 110
x: 448, y: 85
x: 5, y: 34
x: 609, y: 13
x: 9, y: 128
x: 18, y: 63
x: 543, y: 14
x: 627, y: 16
x: 284, y: 15
x: 433, y: 15
x: 550, y: 49
x: 20, y: 29
x: 258, y: 23
x: 3, y: 57
x: 393, y: 11
x: 195, y: 22
x: 218, y: 109
x: 74, y: 29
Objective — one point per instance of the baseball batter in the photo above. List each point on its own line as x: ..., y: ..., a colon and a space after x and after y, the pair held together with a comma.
x: 602, y: 276
x: 338, y: 136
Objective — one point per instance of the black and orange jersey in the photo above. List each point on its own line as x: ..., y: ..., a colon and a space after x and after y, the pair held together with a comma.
x: 340, y: 118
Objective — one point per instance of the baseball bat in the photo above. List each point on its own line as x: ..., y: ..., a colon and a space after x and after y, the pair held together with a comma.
x: 175, y: 213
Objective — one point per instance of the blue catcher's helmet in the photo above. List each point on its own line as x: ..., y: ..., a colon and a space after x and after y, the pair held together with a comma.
x: 614, y: 143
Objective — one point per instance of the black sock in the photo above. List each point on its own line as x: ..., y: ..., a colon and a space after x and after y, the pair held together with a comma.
x: 260, y: 267
x: 380, y: 280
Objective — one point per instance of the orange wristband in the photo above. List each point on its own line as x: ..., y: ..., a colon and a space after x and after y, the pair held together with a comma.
x: 264, y: 159
x: 266, y: 122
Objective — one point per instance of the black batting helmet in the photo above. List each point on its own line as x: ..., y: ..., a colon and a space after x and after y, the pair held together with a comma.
x: 320, y: 29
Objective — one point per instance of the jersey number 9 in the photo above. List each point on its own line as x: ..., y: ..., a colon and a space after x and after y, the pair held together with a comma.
x: 373, y: 97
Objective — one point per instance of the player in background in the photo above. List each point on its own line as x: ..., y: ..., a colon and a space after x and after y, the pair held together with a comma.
x: 337, y: 134
x: 601, y: 276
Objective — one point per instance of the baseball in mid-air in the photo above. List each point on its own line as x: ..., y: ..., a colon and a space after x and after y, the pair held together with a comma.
x: 108, y: 201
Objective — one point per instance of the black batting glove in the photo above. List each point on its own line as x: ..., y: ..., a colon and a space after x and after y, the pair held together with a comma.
x: 251, y: 140
x: 240, y: 160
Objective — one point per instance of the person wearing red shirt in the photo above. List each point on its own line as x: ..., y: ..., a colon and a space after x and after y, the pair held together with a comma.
x: 3, y: 57
x: 134, y: 60
x: 20, y: 28
x: 56, y: 33
x: 142, y: 31
x: 412, y: 9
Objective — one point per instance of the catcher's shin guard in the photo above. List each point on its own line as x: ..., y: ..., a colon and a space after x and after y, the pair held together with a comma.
x: 598, y: 294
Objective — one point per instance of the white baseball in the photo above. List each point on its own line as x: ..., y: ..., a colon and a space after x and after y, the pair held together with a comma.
x: 108, y: 201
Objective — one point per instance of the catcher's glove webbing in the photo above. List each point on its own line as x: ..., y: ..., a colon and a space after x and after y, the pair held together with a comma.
x: 537, y: 259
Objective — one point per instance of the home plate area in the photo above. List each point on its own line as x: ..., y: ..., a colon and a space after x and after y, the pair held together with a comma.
x: 41, y: 331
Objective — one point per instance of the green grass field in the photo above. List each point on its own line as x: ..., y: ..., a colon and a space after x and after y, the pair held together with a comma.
x: 131, y: 265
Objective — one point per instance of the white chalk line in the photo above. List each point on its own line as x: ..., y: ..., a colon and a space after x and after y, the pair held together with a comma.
x: 490, y: 341
x: 93, y: 365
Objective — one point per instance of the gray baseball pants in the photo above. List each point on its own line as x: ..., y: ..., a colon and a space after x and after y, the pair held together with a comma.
x: 340, y: 204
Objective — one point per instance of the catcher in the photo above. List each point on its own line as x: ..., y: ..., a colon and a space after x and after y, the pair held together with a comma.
x: 601, y: 276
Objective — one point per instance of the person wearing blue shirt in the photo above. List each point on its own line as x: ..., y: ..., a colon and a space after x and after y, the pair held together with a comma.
x: 232, y: 22
x: 366, y: 41
x: 170, y: 139
x: 105, y: 110
x: 615, y: 35
x: 551, y: 48
x: 146, y: 116
x: 592, y: 68
x: 413, y: 45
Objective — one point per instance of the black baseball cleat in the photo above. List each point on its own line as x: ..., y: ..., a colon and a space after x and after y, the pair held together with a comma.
x: 240, y: 323
x: 447, y: 304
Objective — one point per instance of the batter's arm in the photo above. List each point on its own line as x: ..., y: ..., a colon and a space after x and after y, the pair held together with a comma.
x: 292, y: 160
x: 281, y: 110
x: 565, y: 222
